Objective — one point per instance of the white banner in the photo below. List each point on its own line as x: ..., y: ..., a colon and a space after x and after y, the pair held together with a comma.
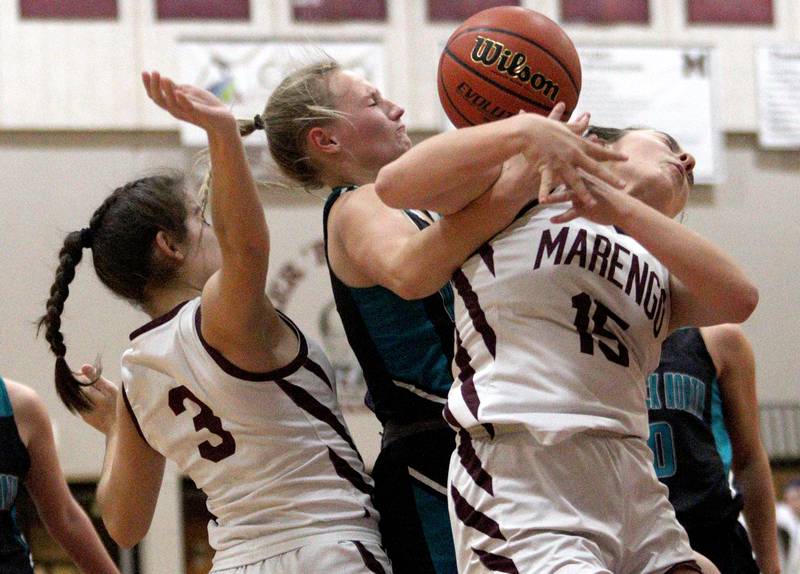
x: 668, y: 89
x: 244, y: 73
x: 778, y: 72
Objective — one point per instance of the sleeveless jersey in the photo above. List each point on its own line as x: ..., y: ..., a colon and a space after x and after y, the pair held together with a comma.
x: 404, y: 347
x: 691, y: 448
x: 270, y: 450
x: 15, y: 556
x: 558, y: 327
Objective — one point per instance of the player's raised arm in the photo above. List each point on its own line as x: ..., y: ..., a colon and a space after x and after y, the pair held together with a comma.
x: 416, y: 178
x: 233, y: 299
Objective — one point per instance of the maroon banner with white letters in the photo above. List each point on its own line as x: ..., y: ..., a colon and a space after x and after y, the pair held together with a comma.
x: 69, y: 9
x: 727, y: 12
x: 203, y: 9
x: 457, y: 10
x: 323, y: 11
x: 605, y: 11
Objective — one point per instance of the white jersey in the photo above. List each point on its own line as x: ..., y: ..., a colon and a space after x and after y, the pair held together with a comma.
x: 270, y: 450
x: 558, y: 327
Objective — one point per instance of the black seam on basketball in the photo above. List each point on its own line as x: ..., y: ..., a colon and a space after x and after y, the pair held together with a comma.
x: 450, y: 100
x: 499, y: 86
x: 447, y: 94
x: 509, y: 33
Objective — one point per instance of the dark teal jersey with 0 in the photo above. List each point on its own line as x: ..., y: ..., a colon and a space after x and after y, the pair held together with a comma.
x: 15, y: 557
x: 404, y: 347
x: 691, y: 448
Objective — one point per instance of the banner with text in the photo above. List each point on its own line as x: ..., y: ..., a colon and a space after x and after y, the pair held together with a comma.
x: 778, y: 72
x: 244, y: 73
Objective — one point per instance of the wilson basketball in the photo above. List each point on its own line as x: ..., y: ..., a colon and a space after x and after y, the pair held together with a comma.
x: 506, y: 59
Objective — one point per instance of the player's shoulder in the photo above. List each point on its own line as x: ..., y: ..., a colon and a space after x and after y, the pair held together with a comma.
x: 166, y: 322
x: 357, y: 202
x: 728, y: 346
x: 727, y: 336
x: 24, y: 399
x: 30, y: 412
x: 361, y: 216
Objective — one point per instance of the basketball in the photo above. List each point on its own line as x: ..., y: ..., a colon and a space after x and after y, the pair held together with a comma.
x: 503, y: 60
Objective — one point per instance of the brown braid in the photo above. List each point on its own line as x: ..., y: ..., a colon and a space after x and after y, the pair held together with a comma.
x: 67, y: 386
x: 121, y: 234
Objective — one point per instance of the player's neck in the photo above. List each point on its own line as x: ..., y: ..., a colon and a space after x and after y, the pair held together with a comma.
x: 162, y: 301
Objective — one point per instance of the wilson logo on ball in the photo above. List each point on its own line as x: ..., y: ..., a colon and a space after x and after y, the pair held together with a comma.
x: 504, y: 60
x: 493, y: 54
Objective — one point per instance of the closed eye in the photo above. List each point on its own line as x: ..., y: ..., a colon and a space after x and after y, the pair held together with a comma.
x: 375, y: 98
x: 673, y: 145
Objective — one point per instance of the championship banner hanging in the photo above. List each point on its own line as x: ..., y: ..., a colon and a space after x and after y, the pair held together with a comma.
x: 244, y: 73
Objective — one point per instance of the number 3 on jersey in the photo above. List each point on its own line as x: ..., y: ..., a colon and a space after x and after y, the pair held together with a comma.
x: 205, y: 419
x: 583, y: 304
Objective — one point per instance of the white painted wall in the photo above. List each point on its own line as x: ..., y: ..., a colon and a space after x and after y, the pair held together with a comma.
x: 79, y: 75
x: 84, y: 77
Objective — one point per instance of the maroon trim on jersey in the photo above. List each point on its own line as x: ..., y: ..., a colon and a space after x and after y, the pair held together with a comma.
x: 133, y: 415
x: 470, y: 299
x: 487, y: 254
x: 474, y: 518
x: 691, y: 564
x: 303, y: 399
x: 448, y: 416
x: 369, y: 558
x: 528, y: 206
x: 312, y: 406
x: 463, y: 360
x: 317, y: 370
x: 350, y: 474
x: 496, y: 562
x: 472, y: 464
x: 160, y: 320
x: 465, y: 372
x: 243, y: 374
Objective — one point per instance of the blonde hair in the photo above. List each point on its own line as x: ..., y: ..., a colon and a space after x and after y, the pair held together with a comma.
x: 302, y: 101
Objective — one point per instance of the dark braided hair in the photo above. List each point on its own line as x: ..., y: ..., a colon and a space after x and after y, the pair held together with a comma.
x: 121, y: 233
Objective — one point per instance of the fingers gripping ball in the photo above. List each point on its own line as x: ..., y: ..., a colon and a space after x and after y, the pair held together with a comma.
x: 507, y: 59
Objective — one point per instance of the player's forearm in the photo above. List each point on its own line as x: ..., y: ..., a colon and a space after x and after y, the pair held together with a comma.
x: 80, y: 540
x: 235, y: 207
x: 454, y: 163
x: 706, y: 271
x: 759, y: 512
x: 107, y: 499
x: 115, y: 503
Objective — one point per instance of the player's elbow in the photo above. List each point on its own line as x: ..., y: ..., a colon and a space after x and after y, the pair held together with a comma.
x: 407, y: 289
x: 387, y: 188
x: 744, y: 303
x: 125, y: 535
x: 126, y: 528
x: 411, y: 284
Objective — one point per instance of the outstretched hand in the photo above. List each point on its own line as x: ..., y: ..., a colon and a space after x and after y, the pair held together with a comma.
x: 558, y: 151
x: 102, y: 393
x: 576, y: 126
x: 188, y: 103
x: 607, y: 204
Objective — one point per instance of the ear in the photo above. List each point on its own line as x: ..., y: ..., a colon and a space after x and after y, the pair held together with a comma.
x: 322, y: 140
x: 168, y: 247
